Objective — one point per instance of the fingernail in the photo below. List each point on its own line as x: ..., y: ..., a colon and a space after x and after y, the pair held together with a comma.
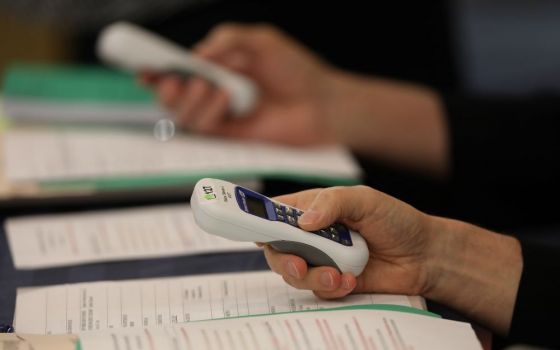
x: 292, y: 269
x: 327, y: 280
x: 345, y: 284
x: 309, y: 217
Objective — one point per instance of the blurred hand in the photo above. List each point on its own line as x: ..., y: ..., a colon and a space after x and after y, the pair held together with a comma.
x: 395, y: 232
x: 304, y: 101
x: 293, y: 88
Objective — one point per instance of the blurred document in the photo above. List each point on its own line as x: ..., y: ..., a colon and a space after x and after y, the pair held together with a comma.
x: 148, y: 232
x: 333, y: 330
x: 159, y: 302
x: 57, y: 155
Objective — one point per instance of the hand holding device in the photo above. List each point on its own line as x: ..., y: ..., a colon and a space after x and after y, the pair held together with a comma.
x: 133, y: 48
x: 239, y: 214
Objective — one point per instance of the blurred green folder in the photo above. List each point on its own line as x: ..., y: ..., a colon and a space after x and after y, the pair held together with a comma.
x: 76, y: 94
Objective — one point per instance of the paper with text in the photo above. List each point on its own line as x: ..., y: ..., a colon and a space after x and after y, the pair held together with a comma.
x: 136, y: 233
x: 356, y: 329
x: 158, y: 302
x: 69, y: 154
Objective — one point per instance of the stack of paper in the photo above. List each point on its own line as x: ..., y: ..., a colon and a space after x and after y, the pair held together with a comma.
x: 367, y: 329
x: 54, y: 161
x: 240, y: 311
x: 159, y: 302
x: 110, y: 157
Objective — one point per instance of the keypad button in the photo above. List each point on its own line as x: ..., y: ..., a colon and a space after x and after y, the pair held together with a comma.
x: 280, y: 217
x: 340, y: 228
x: 289, y: 211
x: 336, y: 233
x: 335, y: 237
x: 292, y: 221
x: 279, y: 211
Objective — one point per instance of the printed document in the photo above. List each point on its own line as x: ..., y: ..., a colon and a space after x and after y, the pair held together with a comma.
x: 333, y: 330
x: 159, y: 302
x: 43, y: 155
x: 134, y: 233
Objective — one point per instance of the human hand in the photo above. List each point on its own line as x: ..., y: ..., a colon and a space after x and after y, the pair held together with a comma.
x: 449, y: 261
x: 293, y: 87
x: 304, y: 101
x: 397, y: 236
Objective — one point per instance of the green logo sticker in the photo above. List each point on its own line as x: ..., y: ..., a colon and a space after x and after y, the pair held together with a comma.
x: 208, y: 193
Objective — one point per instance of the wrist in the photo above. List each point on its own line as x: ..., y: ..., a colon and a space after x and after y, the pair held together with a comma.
x: 375, y: 117
x: 475, y: 271
x: 331, y: 103
x: 343, y: 107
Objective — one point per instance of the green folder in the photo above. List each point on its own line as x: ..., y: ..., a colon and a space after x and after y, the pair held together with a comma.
x: 73, y: 84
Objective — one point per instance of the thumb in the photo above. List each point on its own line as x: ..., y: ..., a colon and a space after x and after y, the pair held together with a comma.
x: 335, y: 204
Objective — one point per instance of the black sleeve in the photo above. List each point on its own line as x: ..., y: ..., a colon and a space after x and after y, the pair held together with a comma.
x: 505, y: 156
x: 537, y: 310
x: 504, y: 138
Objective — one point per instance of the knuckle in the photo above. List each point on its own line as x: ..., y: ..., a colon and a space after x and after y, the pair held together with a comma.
x: 362, y: 188
x: 367, y: 190
x: 266, y: 28
x: 224, y: 32
x: 265, y: 33
x: 227, y: 28
x: 334, y: 193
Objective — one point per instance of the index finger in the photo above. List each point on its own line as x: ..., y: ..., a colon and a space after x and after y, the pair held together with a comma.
x: 223, y: 38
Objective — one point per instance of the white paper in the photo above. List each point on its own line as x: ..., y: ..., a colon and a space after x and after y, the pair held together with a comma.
x: 97, y: 236
x: 356, y: 329
x: 66, y: 154
x: 159, y: 302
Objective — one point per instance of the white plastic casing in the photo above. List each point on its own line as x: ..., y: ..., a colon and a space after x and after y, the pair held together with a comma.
x: 130, y: 47
x: 216, y: 210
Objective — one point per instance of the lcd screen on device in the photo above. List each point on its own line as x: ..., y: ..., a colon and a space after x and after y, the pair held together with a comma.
x: 256, y: 207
